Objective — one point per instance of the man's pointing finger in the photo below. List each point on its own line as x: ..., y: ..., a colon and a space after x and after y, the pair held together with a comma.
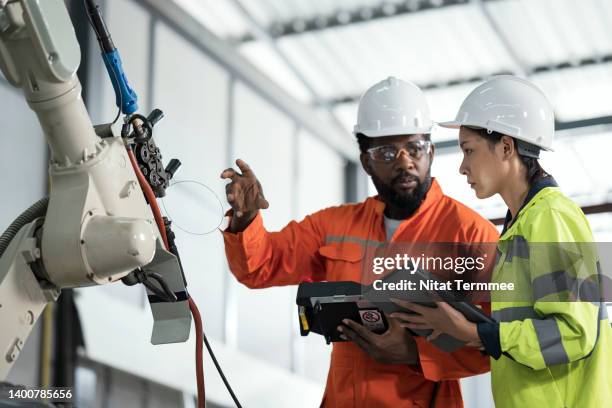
x: 244, y: 167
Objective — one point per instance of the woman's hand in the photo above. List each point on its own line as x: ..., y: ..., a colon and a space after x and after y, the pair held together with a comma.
x: 441, y: 319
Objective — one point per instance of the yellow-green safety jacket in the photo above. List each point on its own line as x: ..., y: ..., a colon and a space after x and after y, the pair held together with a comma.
x: 547, y: 349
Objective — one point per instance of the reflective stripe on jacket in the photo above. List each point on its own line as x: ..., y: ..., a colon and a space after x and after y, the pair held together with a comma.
x: 557, y: 350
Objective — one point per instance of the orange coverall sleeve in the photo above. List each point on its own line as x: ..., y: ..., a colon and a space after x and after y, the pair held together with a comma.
x: 261, y: 259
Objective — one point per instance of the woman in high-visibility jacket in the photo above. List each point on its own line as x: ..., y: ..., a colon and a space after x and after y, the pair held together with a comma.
x: 551, y: 345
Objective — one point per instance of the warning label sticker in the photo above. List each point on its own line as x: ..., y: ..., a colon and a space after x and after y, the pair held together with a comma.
x: 372, y: 319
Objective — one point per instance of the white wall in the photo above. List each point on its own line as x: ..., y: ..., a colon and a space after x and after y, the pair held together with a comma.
x: 23, y: 155
x: 320, y: 185
x: 193, y: 93
x: 263, y: 137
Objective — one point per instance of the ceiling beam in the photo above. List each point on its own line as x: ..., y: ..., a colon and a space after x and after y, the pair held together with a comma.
x: 263, y: 36
x: 584, y: 62
x: 558, y: 66
x: 578, y: 124
x: 519, y: 66
x: 424, y: 86
x: 343, y: 17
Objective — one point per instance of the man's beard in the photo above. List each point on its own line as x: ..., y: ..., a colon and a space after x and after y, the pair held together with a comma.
x: 407, y: 201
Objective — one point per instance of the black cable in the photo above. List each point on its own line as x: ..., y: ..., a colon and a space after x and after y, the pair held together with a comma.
x: 140, y: 276
x: 90, y: 20
x: 162, y: 282
x: 214, y: 359
x: 98, y: 37
x: 157, y: 291
x: 103, y: 36
x: 160, y: 279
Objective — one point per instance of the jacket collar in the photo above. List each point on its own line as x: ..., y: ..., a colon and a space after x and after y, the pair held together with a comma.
x: 535, y: 188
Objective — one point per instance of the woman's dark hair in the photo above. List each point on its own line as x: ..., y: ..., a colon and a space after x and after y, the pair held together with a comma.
x: 535, y: 171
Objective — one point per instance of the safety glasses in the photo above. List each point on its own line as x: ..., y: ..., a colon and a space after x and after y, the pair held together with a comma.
x: 388, y: 153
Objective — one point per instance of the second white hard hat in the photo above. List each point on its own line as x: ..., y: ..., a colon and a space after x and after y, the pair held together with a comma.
x: 511, y: 106
x: 393, y: 107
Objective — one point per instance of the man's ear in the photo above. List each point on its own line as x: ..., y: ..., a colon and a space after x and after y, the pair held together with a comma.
x: 365, y: 163
x: 508, y: 146
x: 432, y: 153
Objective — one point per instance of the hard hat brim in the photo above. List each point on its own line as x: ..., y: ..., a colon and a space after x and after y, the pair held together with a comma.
x: 393, y: 132
x: 453, y: 124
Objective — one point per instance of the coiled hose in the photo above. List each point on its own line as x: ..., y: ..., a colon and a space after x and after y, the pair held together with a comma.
x: 36, y: 210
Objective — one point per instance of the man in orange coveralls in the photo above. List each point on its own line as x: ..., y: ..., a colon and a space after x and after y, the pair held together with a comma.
x: 370, y: 370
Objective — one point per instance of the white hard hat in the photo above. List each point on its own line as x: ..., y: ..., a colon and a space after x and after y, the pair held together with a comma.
x: 393, y: 107
x: 511, y: 106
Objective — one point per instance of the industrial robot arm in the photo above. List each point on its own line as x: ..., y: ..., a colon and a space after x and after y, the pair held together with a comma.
x: 96, y: 226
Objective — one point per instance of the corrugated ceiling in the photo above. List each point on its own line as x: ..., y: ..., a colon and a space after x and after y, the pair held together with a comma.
x: 565, y: 46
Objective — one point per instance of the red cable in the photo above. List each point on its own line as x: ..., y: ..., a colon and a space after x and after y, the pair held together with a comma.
x: 199, y: 358
x: 148, y: 192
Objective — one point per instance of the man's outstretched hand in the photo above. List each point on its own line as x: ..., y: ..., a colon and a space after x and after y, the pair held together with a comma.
x: 244, y: 194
